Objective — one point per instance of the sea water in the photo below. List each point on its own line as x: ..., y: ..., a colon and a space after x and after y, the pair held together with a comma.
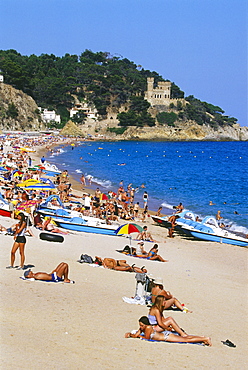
x: 193, y: 173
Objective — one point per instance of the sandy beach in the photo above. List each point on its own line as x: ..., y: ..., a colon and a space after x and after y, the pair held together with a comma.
x: 82, y: 325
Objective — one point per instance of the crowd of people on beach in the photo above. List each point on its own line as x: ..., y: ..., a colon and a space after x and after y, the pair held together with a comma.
x: 22, y: 202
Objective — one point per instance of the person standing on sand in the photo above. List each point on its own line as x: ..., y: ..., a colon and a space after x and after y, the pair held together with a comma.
x: 145, y: 198
x: 172, y: 219
x: 19, y: 241
x: 136, y: 210
x: 82, y: 180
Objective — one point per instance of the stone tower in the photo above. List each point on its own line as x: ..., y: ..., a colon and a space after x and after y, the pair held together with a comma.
x: 159, y: 95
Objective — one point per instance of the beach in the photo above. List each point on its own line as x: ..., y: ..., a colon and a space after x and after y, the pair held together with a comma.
x: 75, y: 326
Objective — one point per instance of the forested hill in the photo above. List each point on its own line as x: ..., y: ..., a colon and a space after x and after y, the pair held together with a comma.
x: 105, y: 80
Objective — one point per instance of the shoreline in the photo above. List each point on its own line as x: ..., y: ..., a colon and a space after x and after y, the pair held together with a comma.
x: 91, y: 189
x: 75, y: 326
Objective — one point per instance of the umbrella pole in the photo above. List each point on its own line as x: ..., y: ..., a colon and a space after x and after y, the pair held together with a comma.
x: 130, y: 239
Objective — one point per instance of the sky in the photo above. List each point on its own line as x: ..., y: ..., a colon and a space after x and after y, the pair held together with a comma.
x: 200, y: 45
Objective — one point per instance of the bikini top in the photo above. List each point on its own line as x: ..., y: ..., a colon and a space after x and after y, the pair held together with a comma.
x: 152, y: 319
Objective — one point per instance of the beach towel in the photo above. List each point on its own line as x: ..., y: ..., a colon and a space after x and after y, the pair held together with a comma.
x: 135, y: 300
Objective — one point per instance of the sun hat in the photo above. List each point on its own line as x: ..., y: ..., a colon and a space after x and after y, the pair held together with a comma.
x: 158, y: 281
x: 26, y: 273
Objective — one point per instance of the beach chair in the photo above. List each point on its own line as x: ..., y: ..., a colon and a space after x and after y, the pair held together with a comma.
x: 143, y: 287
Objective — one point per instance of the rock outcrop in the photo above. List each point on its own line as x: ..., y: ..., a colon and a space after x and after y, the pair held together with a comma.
x: 18, y: 111
x: 188, y: 131
x: 71, y: 129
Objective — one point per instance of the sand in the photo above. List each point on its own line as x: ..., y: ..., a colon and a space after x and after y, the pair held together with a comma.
x: 82, y: 325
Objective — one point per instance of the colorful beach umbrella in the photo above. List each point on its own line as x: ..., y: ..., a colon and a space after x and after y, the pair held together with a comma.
x: 40, y: 187
x: 128, y: 229
x: 104, y: 197
x: 28, y: 183
x: 27, y: 204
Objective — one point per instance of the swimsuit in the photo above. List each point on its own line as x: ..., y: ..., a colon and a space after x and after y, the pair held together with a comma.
x: 165, y: 332
x: 56, y: 278
x: 153, y: 321
x: 152, y: 254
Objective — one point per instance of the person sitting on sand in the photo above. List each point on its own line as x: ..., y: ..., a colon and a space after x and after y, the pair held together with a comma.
x: 148, y: 332
x: 158, y: 290
x: 48, y: 226
x: 153, y: 254
x: 60, y: 273
x: 157, y: 319
x: 139, y: 250
x: 118, y: 265
x: 145, y: 235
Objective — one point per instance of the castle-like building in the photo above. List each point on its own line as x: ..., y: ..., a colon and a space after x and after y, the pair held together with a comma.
x: 160, y: 95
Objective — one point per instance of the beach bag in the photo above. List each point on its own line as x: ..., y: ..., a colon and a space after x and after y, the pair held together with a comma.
x: 85, y: 258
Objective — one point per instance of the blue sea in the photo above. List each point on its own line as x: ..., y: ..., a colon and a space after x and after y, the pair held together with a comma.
x: 193, y: 173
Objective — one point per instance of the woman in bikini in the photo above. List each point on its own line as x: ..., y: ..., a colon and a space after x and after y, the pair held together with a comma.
x: 19, y: 241
x: 154, y: 256
x: 48, y: 226
x: 147, y: 331
x: 118, y: 265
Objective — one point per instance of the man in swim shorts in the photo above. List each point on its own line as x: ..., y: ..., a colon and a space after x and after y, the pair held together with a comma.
x: 60, y: 273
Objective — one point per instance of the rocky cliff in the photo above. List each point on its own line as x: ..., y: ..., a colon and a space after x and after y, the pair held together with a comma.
x: 18, y: 111
x: 189, y: 131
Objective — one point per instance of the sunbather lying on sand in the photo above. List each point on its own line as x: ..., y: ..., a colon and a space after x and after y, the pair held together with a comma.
x: 48, y: 226
x: 118, y: 265
x: 60, y: 273
x: 148, y: 332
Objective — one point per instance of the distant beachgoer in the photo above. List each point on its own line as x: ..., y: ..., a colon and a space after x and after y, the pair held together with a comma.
x: 136, y: 209
x: 172, y: 219
x: 43, y: 160
x: 211, y: 203
x: 19, y: 241
x: 145, y: 198
x: 179, y: 208
x: 218, y: 216
x: 145, y: 235
x: 159, y: 212
x: 82, y: 179
x: 144, y: 213
x: 48, y: 226
x: 118, y: 265
x: 60, y: 273
x: 146, y: 331
x: 97, y: 195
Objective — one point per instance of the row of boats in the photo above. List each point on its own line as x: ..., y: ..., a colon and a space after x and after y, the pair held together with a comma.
x: 207, y: 229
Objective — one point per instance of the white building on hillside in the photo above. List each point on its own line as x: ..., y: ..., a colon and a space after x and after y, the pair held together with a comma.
x: 49, y: 115
x: 89, y: 110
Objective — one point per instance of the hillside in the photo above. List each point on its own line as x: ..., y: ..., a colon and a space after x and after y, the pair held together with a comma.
x: 114, y: 91
x: 18, y: 111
